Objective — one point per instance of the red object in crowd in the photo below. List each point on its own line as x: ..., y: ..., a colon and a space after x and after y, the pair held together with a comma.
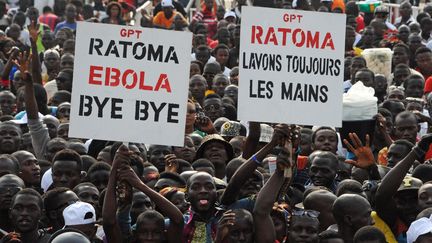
x: 360, y: 23
x: 49, y: 19
x: 428, y: 85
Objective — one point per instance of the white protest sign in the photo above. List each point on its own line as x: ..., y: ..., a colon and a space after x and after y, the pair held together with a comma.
x: 291, y: 66
x: 130, y: 84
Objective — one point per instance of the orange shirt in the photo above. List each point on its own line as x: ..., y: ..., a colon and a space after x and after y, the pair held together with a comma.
x: 161, y: 21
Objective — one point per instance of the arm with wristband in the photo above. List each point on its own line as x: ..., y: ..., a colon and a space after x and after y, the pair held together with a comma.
x: 247, y: 169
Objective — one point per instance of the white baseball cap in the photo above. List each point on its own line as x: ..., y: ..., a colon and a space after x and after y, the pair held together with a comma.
x: 79, y: 213
x: 419, y: 227
x: 230, y: 14
x: 47, y: 180
x: 167, y: 3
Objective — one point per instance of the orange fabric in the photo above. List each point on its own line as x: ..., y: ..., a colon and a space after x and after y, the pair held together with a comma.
x: 161, y: 21
x: 338, y: 4
x: 382, y: 156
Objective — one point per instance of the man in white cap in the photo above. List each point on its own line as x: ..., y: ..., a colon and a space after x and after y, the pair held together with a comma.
x: 230, y: 16
x: 420, y: 231
x: 165, y: 18
x: 81, y: 216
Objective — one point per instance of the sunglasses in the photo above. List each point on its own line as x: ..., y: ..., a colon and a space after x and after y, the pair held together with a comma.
x: 305, y: 212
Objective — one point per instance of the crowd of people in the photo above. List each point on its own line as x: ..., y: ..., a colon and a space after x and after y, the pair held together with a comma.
x: 232, y: 181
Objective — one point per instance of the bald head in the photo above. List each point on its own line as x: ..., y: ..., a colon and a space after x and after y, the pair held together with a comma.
x: 351, y: 218
x: 23, y: 155
x: 321, y: 201
x: 10, y: 179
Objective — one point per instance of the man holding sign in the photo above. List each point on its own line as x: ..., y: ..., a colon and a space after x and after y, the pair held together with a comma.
x: 129, y: 77
x: 280, y: 59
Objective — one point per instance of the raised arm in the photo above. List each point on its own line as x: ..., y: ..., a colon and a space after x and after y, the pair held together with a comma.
x: 166, y: 207
x: 9, y: 64
x: 34, y: 35
x: 109, y: 211
x: 264, y: 227
x: 246, y: 170
x: 394, y: 178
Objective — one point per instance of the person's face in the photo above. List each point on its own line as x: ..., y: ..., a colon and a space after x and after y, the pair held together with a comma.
x: 179, y: 201
x: 224, y: 36
x: 89, y: 194
x: 157, y: 154
x: 52, y: 127
x: 400, y: 56
x: 115, y: 11
x: 231, y: 92
x: 213, y: 108
x: 99, y: 178
x: 48, y: 40
x: 70, y: 12
x: 406, y: 128
x: 424, y: 61
x: 51, y: 61
x: 222, y: 56
x: 202, y: 193
x: 355, y: 66
x: 405, y: 10
x: 322, y: 172
x: 168, y: 11
x: 396, y: 94
x: 190, y: 114
x: 216, y: 153
x: 425, y: 196
x: 55, y: 212
x: 380, y: 84
x: 414, y: 42
x: 365, y: 77
x: 401, y: 75
x: 25, y: 213
x: 344, y: 171
x: 149, y: 231
x: 69, y: 47
x: 197, y: 87
x: 395, y: 154
x: 414, y: 88
x: 403, y: 34
x: 65, y: 173
x: 67, y: 62
x: 64, y: 82
x: 368, y: 35
x: 407, y: 205
x: 63, y: 131
x: 10, y: 138
x: 32, y: 14
x: 219, y: 85
x: 194, y: 69
x: 304, y: 229
x: 187, y: 152
x: 8, y: 189
x: 414, y: 106
x: 30, y: 169
x: 140, y: 204
x: 17, y: 80
x: 305, y: 144
x: 63, y: 112
x: 280, y: 227
x: 414, y: 28
x: 241, y: 231
x: 251, y: 186
x: 325, y: 140
x: 209, y: 73
x: 7, y: 104
x: 14, y: 32
x: 60, y: 37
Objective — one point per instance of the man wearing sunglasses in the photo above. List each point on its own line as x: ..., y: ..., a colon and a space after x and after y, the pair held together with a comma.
x: 9, y: 186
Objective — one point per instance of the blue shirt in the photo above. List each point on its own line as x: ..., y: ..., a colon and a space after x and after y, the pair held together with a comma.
x: 64, y: 24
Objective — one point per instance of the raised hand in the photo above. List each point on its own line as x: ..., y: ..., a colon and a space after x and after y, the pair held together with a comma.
x: 33, y: 29
x: 226, y: 221
x: 171, y: 164
x: 364, y: 154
